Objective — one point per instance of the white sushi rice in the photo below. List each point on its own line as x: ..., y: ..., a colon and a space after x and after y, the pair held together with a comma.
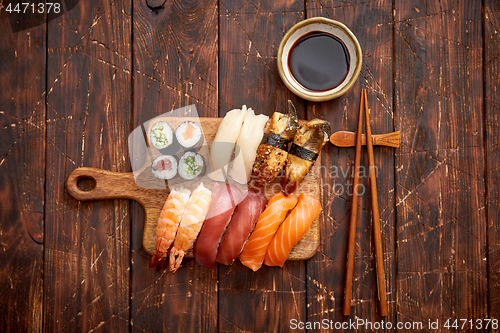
x: 190, y: 141
x: 161, y: 135
x: 164, y: 167
x: 190, y: 165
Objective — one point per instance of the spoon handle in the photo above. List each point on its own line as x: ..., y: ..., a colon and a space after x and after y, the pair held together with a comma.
x: 347, y: 139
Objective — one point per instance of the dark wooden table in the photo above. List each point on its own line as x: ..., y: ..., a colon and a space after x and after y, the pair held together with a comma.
x: 72, y: 90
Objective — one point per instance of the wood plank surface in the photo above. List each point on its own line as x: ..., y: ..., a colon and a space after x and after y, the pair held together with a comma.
x: 87, y: 244
x: 250, y: 33
x: 492, y: 143
x: 441, y: 234
x: 72, y: 90
x: 22, y: 175
x: 371, y: 23
x: 175, y: 64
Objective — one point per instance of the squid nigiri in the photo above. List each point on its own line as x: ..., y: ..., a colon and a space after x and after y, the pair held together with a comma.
x: 222, y: 146
x: 273, y: 150
x: 249, y: 139
x: 306, y: 146
x: 167, y: 225
x: 240, y: 227
x: 292, y: 229
x: 225, y: 197
x: 190, y: 225
x: 255, y: 249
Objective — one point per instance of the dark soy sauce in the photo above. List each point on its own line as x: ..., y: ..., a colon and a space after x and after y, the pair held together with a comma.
x: 319, y: 61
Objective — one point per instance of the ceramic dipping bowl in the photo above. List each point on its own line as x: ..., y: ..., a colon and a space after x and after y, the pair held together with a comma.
x: 315, y: 26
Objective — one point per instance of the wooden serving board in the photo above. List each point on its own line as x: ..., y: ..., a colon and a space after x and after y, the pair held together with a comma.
x: 113, y: 185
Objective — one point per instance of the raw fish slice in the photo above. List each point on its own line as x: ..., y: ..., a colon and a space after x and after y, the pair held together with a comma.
x: 240, y: 227
x: 292, y: 229
x: 255, y: 249
x: 249, y: 139
x: 222, y: 146
x: 225, y: 197
x: 190, y: 225
x: 307, y: 144
x: 167, y: 225
x: 273, y: 150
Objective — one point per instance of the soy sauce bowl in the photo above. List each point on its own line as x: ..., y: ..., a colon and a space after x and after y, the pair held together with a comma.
x: 319, y: 25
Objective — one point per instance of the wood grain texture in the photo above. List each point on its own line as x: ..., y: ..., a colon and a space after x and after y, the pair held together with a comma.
x: 431, y: 70
x: 87, y: 258
x: 441, y: 235
x: 250, y: 33
x: 492, y: 119
x: 22, y: 176
x: 371, y: 23
x: 175, y: 60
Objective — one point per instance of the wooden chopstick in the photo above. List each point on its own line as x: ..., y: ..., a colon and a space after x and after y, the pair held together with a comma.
x: 354, y: 214
x: 379, y: 260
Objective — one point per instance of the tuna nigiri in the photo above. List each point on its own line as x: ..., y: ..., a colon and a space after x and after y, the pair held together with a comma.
x: 240, y: 227
x: 255, y: 249
x: 225, y: 197
x: 167, y: 225
x: 190, y: 225
x: 292, y: 229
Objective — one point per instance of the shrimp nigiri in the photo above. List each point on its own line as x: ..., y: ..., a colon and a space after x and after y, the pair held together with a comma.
x: 292, y: 229
x: 255, y: 248
x: 167, y: 225
x: 190, y: 225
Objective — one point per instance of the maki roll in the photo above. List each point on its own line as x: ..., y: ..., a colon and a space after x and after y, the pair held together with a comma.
x: 191, y: 165
x: 161, y: 135
x: 164, y: 167
x: 189, y: 135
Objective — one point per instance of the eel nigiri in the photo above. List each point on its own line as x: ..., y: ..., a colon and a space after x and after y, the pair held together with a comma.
x: 221, y: 148
x: 292, y: 229
x: 167, y: 225
x: 225, y: 197
x: 249, y: 139
x: 255, y: 248
x: 240, y: 227
x: 273, y: 150
x: 190, y: 225
x: 306, y: 146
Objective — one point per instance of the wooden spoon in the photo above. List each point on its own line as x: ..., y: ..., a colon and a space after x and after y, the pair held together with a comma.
x: 347, y: 139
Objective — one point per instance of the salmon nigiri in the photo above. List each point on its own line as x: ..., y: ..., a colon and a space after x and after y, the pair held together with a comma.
x: 255, y: 248
x: 292, y: 229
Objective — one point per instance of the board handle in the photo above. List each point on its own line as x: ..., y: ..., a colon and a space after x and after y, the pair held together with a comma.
x: 108, y: 184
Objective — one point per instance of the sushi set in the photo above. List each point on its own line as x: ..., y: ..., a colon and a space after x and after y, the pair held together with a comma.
x: 244, y: 187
